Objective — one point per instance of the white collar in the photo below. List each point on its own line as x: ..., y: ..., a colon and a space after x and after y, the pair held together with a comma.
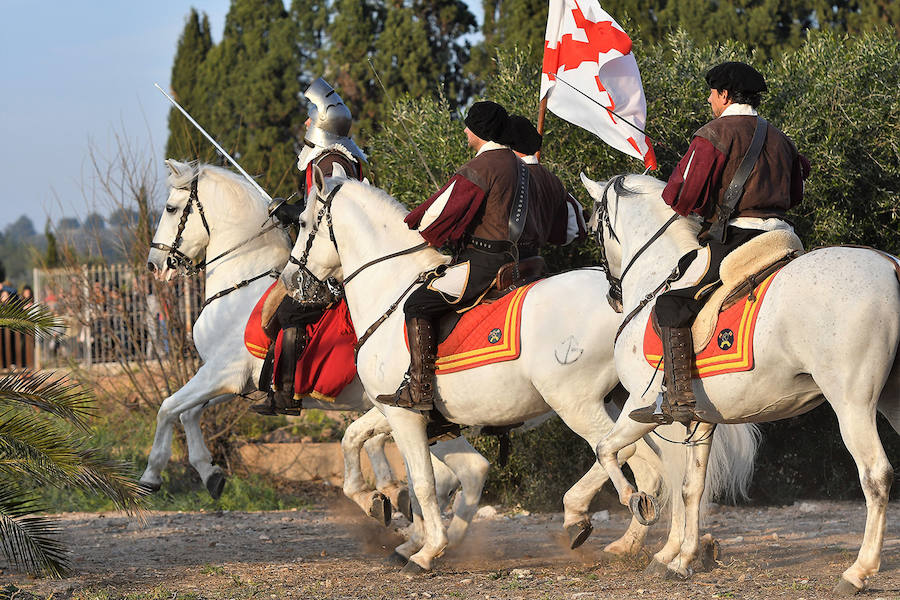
x: 490, y: 146
x: 738, y: 109
x: 531, y: 159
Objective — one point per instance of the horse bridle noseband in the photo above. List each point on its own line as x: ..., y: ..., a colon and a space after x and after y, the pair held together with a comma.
x: 177, y: 258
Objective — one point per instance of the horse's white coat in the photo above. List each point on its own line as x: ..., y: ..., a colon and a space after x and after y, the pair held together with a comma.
x: 828, y: 330
x: 566, y: 361
x: 236, y: 212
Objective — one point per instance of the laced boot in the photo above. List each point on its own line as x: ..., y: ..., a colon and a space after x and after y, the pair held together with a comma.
x: 281, y: 401
x: 677, y: 401
x: 417, y: 389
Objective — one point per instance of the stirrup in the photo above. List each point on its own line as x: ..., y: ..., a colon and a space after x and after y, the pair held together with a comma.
x: 403, y: 400
x: 656, y: 414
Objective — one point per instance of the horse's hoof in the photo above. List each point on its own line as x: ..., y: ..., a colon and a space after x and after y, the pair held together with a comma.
x: 656, y: 569
x: 215, y: 484
x: 673, y: 575
x: 412, y: 569
x: 404, y: 504
x: 579, y: 533
x: 644, y: 507
x: 380, y: 508
x: 395, y: 559
x: 845, y: 588
x: 148, y: 488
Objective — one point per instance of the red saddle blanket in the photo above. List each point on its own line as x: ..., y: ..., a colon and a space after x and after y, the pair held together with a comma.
x: 731, y: 348
x: 489, y: 333
x: 326, y: 365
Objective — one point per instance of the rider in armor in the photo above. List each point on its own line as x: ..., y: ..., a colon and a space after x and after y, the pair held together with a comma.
x: 471, y: 214
x: 327, y: 145
x: 714, y: 162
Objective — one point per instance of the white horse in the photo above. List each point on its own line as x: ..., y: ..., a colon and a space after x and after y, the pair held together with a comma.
x: 827, y: 330
x: 565, y: 363
x: 225, y: 216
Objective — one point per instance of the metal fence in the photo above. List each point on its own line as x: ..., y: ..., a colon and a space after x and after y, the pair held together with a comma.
x: 113, y: 314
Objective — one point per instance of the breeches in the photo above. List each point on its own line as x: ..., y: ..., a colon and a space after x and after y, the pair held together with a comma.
x: 679, y: 308
x: 427, y: 302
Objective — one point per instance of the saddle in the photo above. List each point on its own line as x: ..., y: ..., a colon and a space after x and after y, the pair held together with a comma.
x: 740, y: 273
x: 507, y: 280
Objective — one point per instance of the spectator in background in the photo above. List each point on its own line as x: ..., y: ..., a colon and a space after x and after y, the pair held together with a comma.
x: 27, y: 296
x: 4, y: 295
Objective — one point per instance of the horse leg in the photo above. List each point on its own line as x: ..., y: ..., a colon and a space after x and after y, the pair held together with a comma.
x: 385, y: 480
x: 199, y: 456
x: 470, y: 469
x: 624, y: 433
x: 646, y: 466
x: 374, y: 503
x: 203, y: 386
x: 876, y: 475
x: 409, y: 434
x: 692, y: 492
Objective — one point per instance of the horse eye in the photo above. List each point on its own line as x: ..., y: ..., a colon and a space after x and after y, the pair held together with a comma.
x: 171, y: 209
x: 302, y: 224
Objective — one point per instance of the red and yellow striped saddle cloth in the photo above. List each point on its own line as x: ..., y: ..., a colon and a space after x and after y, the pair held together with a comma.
x: 731, y: 347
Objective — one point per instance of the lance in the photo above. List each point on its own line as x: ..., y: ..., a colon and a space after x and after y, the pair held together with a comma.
x: 216, y: 144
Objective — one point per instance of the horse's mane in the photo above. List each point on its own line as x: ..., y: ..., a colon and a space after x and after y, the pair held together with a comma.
x: 684, y: 230
x: 234, y: 183
x: 387, y: 206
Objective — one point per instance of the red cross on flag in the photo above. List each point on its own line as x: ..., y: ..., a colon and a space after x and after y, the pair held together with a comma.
x: 588, y: 65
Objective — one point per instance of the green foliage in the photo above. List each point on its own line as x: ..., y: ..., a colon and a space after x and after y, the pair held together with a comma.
x: 43, y: 421
x: 185, y: 142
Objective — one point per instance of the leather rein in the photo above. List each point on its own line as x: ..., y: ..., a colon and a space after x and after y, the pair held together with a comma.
x: 180, y: 260
x: 615, y: 283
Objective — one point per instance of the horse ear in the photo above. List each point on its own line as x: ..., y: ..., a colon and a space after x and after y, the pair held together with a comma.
x: 594, y: 188
x: 338, y: 171
x: 175, y: 168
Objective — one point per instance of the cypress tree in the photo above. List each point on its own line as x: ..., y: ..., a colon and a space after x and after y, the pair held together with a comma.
x: 445, y: 22
x: 185, y: 142
x: 311, y: 19
x: 403, y: 55
x: 251, y: 83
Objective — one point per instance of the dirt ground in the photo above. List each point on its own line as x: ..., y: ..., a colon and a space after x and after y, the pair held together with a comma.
x: 795, y: 552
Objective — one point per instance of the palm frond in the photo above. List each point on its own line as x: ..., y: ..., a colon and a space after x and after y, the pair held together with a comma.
x: 29, y: 541
x: 47, y: 392
x: 34, y: 320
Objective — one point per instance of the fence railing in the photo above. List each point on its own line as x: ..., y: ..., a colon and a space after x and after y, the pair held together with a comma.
x: 113, y: 313
x: 16, y: 350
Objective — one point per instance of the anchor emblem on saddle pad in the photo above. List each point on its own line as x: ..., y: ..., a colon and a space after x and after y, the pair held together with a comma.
x: 733, y: 350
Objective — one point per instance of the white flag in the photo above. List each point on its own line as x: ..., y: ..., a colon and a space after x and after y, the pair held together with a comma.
x: 588, y: 65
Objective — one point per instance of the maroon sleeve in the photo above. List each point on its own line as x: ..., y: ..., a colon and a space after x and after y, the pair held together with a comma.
x: 693, y: 183
x: 460, y: 206
x: 799, y: 174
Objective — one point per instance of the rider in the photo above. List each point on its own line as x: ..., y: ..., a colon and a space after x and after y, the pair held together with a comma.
x: 327, y: 143
x: 713, y: 165
x: 554, y: 215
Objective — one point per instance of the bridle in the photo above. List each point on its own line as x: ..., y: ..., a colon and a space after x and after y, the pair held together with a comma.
x: 615, y: 283
x: 315, y: 292
x: 177, y: 259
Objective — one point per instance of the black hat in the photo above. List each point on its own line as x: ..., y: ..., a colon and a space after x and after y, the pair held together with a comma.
x: 523, y: 136
x: 488, y: 120
x: 736, y: 77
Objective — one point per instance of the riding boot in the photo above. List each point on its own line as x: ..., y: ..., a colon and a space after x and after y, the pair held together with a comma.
x: 677, y: 401
x: 417, y: 389
x: 281, y: 401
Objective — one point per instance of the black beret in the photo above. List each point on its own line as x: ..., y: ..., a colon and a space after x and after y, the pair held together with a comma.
x: 736, y: 77
x: 523, y: 136
x: 488, y: 120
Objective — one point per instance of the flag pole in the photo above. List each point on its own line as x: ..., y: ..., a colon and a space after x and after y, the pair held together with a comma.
x: 542, y: 111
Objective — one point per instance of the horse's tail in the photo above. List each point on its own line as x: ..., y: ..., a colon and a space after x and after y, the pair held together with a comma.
x: 889, y: 402
x: 731, y: 461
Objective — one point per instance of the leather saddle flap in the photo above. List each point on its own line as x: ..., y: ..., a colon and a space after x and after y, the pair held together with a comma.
x: 529, y: 269
x: 740, y: 271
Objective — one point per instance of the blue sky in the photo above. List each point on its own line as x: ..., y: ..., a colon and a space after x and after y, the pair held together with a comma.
x: 75, y: 74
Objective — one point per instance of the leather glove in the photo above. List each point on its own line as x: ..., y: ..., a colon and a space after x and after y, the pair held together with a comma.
x: 287, y: 214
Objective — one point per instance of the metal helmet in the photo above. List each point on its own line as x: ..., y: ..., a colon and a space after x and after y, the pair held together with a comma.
x: 330, y: 119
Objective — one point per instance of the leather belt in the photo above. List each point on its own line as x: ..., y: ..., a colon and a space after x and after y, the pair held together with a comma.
x: 492, y: 246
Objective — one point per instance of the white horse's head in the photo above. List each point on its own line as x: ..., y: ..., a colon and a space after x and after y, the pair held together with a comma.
x: 204, y: 203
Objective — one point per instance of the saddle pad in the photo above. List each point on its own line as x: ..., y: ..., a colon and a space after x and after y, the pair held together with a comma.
x: 487, y: 334
x: 255, y: 339
x: 327, y: 364
x: 732, y: 351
